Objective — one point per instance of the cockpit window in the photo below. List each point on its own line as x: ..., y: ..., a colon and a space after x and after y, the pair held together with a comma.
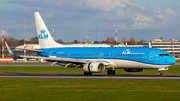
x: 164, y: 55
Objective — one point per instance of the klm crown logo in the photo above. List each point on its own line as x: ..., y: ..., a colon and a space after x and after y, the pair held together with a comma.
x: 91, y: 66
x: 43, y: 35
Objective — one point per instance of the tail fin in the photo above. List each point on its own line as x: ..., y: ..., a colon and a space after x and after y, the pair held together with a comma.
x: 44, y: 37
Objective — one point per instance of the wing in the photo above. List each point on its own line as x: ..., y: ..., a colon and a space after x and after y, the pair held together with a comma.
x: 67, y: 61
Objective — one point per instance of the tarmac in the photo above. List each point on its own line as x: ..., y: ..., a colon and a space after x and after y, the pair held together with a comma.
x: 81, y: 76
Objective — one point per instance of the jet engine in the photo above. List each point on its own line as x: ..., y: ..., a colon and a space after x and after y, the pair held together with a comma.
x: 133, y: 70
x: 94, y: 67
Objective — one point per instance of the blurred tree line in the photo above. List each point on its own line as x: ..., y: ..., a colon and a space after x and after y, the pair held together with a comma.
x: 12, y: 42
x: 111, y: 40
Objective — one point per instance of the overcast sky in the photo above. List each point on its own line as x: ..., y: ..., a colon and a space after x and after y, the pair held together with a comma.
x: 147, y: 19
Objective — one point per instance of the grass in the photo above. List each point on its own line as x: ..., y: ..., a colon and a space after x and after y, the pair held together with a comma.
x: 173, y: 70
x: 88, y: 90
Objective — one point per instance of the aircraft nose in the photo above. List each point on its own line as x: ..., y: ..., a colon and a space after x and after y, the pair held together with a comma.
x: 172, y: 60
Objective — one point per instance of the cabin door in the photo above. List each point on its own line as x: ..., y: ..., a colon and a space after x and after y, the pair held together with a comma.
x: 151, y: 57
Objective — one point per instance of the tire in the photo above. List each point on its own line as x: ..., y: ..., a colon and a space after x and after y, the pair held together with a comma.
x: 111, y: 72
x: 87, y: 73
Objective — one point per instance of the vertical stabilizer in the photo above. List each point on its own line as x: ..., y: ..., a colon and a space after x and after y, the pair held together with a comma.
x: 44, y: 37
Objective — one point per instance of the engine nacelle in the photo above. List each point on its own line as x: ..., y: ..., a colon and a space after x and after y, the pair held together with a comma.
x: 133, y: 70
x: 94, y: 67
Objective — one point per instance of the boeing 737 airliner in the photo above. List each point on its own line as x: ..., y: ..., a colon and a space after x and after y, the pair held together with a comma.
x: 96, y: 60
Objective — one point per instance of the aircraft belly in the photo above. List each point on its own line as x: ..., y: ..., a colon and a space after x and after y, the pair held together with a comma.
x: 114, y: 63
x: 134, y: 64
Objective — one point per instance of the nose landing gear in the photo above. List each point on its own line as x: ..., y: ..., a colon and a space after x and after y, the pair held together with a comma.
x: 160, y: 70
x: 160, y: 73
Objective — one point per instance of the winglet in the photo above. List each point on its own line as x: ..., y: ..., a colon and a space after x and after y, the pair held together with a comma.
x: 9, y: 50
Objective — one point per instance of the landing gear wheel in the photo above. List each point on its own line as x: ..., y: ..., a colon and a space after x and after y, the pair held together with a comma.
x: 160, y: 73
x: 87, y: 73
x: 111, y: 72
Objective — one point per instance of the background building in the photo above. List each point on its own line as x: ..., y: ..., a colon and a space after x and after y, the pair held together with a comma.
x: 170, y: 45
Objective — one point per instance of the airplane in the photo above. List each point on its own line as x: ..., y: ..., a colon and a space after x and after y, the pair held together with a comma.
x: 97, y: 59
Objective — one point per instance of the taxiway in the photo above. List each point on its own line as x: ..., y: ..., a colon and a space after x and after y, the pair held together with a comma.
x: 81, y: 76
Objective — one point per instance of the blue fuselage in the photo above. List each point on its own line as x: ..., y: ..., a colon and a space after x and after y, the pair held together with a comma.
x: 141, y: 55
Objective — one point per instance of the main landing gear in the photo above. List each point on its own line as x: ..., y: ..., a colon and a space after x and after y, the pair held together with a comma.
x: 111, y: 72
x: 87, y: 73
